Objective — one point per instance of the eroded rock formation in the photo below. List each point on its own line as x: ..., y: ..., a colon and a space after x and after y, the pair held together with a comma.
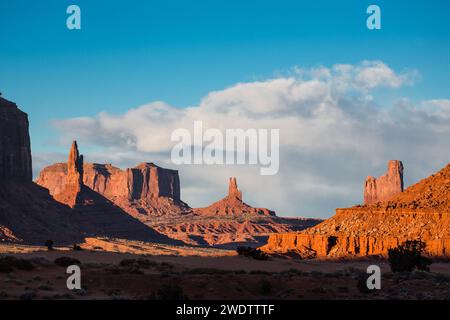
x: 386, y: 186
x: 145, y: 190
x: 152, y: 195
x: 233, y: 205
x: 27, y: 212
x: 71, y: 191
x: 15, y: 155
x: 422, y: 212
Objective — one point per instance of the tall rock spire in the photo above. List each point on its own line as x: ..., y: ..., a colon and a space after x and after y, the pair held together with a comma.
x: 72, y: 192
x: 233, y: 191
x: 75, y: 167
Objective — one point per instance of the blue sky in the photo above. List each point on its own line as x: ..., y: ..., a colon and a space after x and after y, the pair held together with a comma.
x: 133, y: 52
x: 130, y: 53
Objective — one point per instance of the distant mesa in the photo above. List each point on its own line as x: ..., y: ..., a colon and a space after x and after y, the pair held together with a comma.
x: 386, y: 186
x: 146, y: 189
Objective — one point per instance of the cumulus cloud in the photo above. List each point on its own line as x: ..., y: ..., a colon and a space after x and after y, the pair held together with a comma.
x: 333, y: 133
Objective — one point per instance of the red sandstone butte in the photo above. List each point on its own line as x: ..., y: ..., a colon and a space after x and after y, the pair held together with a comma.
x: 15, y: 152
x: 143, y: 191
x: 27, y: 212
x: 421, y: 212
x: 386, y: 186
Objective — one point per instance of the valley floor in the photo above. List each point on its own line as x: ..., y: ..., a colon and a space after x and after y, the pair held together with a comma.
x: 169, y: 272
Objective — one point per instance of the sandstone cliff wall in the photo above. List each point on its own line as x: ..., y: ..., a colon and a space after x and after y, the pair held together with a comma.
x: 145, y: 181
x: 15, y: 154
x: 322, y: 246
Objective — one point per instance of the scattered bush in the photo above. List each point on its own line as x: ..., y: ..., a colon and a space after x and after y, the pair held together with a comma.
x: 408, y: 256
x: 66, y: 261
x: 252, y: 253
x: 49, y: 244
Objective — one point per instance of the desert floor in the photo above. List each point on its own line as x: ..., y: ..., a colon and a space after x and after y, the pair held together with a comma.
x: 185, y: 272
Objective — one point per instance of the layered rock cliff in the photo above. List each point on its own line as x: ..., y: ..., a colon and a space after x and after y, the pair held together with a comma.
x: 386, y: 186
x: 421, y: 212
x: 145, y: 190
x: 15, y: 155
x: 95, y: 214
x: 28, y: 214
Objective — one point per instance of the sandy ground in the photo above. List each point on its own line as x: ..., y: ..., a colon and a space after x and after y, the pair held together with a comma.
x: 207, y: 274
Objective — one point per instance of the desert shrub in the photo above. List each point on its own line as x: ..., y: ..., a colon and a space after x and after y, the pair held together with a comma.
x: 49, y: 244
x: 170, y: 292
x: 66, y: 261
x: 408, y: 256
x: 264, y: 287
x: 9, y: 263
x: 252, y: 253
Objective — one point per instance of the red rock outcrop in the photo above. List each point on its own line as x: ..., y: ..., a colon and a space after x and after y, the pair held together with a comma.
x: 229, y: 231
x: 95, y: 214
x: 421, y: 212
x: 229, y: 223
x: 27, y: 212
x: 73, y: 184
x: 386, y: 186
x: 15, y: 155
x: 152, y: 195
x: 232, y: 205
x: 142, y: 191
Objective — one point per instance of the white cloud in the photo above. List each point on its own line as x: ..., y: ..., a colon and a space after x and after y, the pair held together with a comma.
x: 332, y: 135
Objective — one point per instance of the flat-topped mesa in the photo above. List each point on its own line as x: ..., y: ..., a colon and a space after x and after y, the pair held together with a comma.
x: 150, y: 182
x: 15, y: 151
x: 386, y: 186
x: 146, y: 189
